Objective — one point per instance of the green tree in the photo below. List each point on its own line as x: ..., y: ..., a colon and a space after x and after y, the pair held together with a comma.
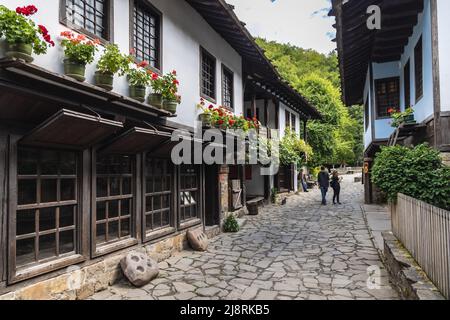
x: 338, y: 138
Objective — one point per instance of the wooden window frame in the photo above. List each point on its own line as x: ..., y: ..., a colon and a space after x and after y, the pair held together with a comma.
x: 226, y: 70
x: 51, y: 264
x: 150, y: 7
x: 287, y: 119
x: 293, y: 123
x: 161, y: 232
x: 418, y: 65
x: 204, y: 52
x: 109, y: 16
x: 185, y: 224
x: 407, y: 84
x: 378, y: 81
x: 131, y: 240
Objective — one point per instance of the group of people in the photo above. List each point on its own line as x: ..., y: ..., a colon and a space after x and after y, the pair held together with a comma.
x: 325, y: 182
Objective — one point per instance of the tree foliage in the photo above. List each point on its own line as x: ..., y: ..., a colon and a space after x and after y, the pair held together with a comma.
x: 417, y: 172
x: 294, y: 150
x: 338, y: 138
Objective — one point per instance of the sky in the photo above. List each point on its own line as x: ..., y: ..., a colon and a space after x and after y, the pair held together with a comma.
x: 303, y: 23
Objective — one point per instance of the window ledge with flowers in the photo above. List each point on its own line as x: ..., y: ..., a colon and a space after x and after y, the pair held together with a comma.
x: 401, y: 118
x: 222, y: 118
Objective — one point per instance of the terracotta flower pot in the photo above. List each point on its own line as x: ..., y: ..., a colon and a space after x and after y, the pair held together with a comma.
x: 75, y: 70
x: 156, y: 100
x: 104, y: 80
x: 137, y: 93
x: 19, y: 51
x: 170, y: 106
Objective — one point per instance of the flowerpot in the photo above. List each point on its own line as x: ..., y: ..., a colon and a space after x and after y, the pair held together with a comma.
x: 19, y: 51
x: 156, y: 100
x: 75, y: 70
x: 205, y: 118
x: 409, y: 119
x: 137, y: 93
x: 170, y: 106
x: 104, y: 80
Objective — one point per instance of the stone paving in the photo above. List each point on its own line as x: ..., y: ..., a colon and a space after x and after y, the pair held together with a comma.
x: 298, y: 251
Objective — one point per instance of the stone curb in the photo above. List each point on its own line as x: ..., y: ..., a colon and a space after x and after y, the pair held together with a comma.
x: 408, y: 278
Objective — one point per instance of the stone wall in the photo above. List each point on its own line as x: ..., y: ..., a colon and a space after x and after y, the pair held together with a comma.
x: 406, y: 275
x: 80, y: 283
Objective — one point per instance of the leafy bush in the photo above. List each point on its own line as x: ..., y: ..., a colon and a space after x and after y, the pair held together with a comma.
x: 231, y: 224
x: 16, y: 27
x: 294, y: 150
x: 78, y: 48
x: 417, y: 172
x: 274, y: 195
x: 113, y: 61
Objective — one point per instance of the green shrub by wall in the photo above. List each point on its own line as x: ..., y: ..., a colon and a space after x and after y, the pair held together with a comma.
x: 417, y: 172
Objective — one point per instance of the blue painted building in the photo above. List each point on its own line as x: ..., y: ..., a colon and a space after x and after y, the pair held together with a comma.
x: 403, y: 64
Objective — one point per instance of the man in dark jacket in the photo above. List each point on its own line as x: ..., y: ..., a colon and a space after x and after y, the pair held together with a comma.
x: 324, y: 183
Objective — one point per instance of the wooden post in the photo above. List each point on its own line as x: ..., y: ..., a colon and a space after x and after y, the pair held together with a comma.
x: 254, y: 105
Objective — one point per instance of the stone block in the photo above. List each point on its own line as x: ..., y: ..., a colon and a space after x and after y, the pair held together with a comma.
x: 197, y: 239
x: 139, y: 269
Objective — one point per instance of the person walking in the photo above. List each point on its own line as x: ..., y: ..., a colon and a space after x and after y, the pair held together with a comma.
x: 324, y: 183
x: 336, y: 185
x: 302, y: 178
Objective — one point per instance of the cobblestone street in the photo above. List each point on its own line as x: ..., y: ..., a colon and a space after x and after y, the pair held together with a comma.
x: 298, y: 251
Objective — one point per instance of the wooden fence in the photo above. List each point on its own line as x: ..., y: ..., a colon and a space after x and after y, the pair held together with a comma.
x: 425, y: 231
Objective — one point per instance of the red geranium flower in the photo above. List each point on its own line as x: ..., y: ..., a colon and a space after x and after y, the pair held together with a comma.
x: 176, y: 82
x: 174, y: 72
x: 26, y: 11
x: 143, y: 64
x: 211, y: 107
x: 220, y: 122
x: 155, y: 76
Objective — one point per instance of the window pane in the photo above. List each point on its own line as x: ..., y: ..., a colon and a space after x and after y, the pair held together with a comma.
x: 47, y: 219
x: 27, y: 161
x: 90, y: 15
x: 47, y: 246
x: 114, y: 186
x: 101, y: 233
x: 68, y: 189
x: 146, y: 34
x: 125, y: 208
x: 66, y: 242
x: 113, y: 230
x: 113, y: 209
x: 68, y: 163
x: 66, y: 216
x: 126, y: 186
x: 25, y: 251
x: 102, y: 187
x: 48, y: 190
x: 26, y: 192
x: 26, y: 222
x: 101, y: 211
x: 49, y: 162
x: 125, y: 228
